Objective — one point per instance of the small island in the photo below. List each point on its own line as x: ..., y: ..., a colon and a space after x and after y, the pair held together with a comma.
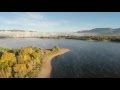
x: 28, y: 62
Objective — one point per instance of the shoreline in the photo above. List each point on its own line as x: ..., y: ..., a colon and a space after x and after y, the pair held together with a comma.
x: 46, y: 67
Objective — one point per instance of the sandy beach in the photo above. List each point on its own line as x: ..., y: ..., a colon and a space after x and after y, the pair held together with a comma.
x: 47, y: 68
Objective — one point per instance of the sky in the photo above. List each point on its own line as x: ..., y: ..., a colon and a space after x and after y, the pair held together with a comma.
x: 58, y: 21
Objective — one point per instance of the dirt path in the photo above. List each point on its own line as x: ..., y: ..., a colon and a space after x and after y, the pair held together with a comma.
x: 47, y: 68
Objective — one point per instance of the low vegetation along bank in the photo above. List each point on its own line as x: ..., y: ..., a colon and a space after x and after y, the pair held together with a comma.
x: 96, y: 38
x: 23, y: 62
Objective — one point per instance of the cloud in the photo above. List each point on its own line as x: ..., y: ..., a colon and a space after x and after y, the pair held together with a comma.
x: 34, y: 15
x: 29, y: 19
x: 31, y: 15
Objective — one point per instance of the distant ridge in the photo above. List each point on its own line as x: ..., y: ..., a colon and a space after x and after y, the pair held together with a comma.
x: 101, y: 31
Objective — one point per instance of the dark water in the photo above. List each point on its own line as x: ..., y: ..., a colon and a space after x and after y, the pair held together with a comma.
x: 86, y: 59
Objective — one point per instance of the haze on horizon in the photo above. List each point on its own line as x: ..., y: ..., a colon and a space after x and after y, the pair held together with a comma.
x: 58, y: 21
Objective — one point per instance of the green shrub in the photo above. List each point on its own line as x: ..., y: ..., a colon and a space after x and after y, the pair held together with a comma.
x: 55, y: 48
x: 29, y: 67
x: 27, y: 50
x: 8, y: 59
x: 23, y: 58
x: 6, y: 72
x: 35, y: 55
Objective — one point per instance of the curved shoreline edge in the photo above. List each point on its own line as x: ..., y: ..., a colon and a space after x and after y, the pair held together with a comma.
x: 46, y: 67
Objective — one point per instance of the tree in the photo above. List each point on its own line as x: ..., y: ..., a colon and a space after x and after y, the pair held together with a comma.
x: 55, y: 48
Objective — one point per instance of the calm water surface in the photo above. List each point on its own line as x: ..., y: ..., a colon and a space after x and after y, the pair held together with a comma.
x: 87, y: 59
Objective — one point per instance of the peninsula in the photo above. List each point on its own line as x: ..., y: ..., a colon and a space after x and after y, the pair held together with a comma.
x: 47, y: 68
x: 28, y: 62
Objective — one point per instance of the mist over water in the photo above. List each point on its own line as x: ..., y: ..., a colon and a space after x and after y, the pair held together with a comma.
x: 85, y: 59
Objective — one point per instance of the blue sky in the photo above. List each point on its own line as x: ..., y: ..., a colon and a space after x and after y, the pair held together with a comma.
x: 58, y: 21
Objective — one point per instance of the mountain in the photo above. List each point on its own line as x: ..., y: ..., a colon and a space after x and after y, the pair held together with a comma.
x: 101, y: 31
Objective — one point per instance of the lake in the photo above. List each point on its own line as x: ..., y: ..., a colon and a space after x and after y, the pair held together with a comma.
x: 87, y: 59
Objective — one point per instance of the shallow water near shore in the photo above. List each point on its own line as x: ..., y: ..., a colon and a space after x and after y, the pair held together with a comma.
x: 86, y: 58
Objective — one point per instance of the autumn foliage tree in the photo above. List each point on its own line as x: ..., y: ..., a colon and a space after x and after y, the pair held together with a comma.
x: 22, y: 62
